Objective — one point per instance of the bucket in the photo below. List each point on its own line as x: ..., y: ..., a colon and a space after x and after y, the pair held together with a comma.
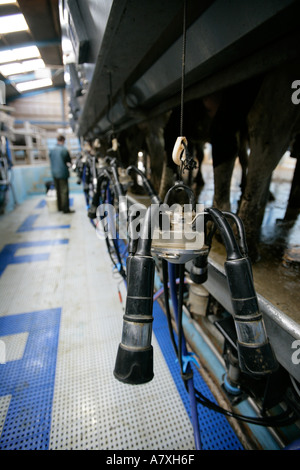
x: 51, y: 200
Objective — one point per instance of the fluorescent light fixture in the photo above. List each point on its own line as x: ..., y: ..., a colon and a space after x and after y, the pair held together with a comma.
x: 28, y: 76
x: 19, y: 53
x: 34, y: 64
x: 11, y: 69
x: 13, y: 23
x: 7, y: 2
x: 21, y: 67
x: 34, y: 84
x: 6, y: 56
x: 43, y: 73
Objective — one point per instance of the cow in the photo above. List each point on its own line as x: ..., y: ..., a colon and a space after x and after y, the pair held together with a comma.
x: 273, y: 122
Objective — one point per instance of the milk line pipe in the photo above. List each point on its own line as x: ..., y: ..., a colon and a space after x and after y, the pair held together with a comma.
x: 177, y: 302
x: 167, y: 306
x: 160, y: 291
x: 182, y: 350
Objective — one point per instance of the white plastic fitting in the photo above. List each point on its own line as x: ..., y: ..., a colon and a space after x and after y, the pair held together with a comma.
x: 178, y: 153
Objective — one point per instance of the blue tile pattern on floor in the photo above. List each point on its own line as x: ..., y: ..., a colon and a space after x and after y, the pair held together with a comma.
x: 43, y: 203
x: 30, y: 380
x: 28, y: 225
x: 8, y: 253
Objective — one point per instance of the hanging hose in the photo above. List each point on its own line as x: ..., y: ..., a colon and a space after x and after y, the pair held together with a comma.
x: 240, y: 231
x: 255, y: 354
x: 182, y: 350
x: 112, y: 243
x: 167, y: 306
x: 115, y: 240
x: 146, y: 183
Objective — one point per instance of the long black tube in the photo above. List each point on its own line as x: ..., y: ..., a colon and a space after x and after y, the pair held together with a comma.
x: 256, y: 356
x: 283, y: 419
x: 232, y: 248
x: 241, y: 231
x: 167, y: 306
x: 105, y: 178
x: 182, y: 350
x: 155, y: 199
x: 179, y: 313
x: 92, y: 210
x: 188, y: 191
x: 145, y: 239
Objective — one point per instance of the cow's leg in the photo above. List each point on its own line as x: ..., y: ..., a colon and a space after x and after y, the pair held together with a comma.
x: 271, y: 121
x: 253, y: 204
x: 156, y: 146
x: 243, y: 157
x: 294, y: 197
x: 224, y: 153
x: 223, y: 139
x: 222, y: 181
